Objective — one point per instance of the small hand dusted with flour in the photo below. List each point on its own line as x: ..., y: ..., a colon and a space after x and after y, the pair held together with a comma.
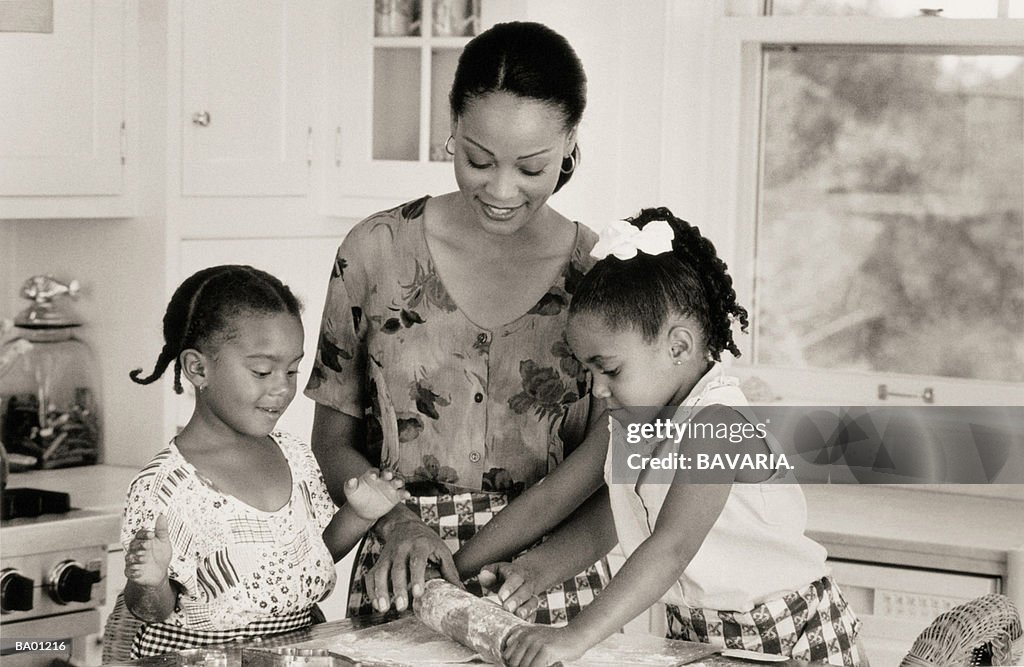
x: 148, y: 555
x: 373, y: 494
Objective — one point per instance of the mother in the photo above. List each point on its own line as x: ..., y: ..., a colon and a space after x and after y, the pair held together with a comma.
x: 441, y: 351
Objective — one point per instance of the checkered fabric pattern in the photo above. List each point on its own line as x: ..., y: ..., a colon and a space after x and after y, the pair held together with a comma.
x: 814, y: 624
x: 158, y: 638
x: 457, y: 518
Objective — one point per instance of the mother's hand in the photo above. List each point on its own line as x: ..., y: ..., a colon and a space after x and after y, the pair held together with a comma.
x: 409, y: 547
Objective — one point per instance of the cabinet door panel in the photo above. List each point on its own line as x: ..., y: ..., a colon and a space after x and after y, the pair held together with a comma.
x: 387, y: 93
x: 896, y: 603
x: 247, y: 118
x: 63, y: 103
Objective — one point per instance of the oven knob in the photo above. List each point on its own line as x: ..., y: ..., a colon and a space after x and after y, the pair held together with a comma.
x: 70, y: 582
x: 15, y: 591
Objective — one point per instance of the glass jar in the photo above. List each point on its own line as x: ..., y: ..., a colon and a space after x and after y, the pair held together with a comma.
x: 49, y: 384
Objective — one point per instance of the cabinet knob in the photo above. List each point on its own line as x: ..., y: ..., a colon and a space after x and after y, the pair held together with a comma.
x: 201, y: 118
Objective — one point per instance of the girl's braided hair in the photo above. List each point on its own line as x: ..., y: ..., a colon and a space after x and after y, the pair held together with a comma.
x: 203, y: 310
x: 640, y: 293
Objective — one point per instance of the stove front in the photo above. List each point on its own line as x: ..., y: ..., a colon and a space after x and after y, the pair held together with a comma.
x: 49, y: 603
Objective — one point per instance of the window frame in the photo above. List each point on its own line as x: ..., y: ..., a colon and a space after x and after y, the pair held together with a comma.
x: 719, y: 183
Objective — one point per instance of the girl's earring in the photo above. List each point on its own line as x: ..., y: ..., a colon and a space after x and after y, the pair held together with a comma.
x: 678, y: 362
x: 448, y: 145
x: 201, y: 388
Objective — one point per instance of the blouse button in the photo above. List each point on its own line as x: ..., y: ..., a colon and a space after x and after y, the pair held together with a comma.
x: 481, y: 338
x: 478, y: 397
x: 474, y: 456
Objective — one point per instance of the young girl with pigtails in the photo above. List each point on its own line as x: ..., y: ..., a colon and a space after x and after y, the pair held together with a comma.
x: 725, y: 550
x: 229, y: 532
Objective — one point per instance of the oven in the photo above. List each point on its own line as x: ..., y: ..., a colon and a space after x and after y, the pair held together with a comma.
x: 52, y: 586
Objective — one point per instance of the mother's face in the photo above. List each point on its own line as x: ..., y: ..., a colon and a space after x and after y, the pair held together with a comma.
x: 508, y: 151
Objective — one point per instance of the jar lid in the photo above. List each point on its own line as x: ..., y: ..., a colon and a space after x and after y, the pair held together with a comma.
x: 45, y: 313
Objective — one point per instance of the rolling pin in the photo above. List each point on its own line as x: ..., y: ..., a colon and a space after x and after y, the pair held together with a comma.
x: 474, y: 622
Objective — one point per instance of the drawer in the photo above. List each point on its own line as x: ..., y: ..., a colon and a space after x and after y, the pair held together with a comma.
x: 896, y: 603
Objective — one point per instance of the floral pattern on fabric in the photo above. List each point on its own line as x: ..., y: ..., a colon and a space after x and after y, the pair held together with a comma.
x: 457, y: 401
x: 236, y: 564
x: 543, y: 390
x: 498, y: 480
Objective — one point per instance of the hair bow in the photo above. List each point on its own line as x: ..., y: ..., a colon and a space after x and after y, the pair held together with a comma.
x: 624, y: 240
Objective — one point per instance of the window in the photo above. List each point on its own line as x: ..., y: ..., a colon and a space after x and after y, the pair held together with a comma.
x: 876, y: 193
x: 972, y: 9
x: 414, y: 60
x: 890, y: 229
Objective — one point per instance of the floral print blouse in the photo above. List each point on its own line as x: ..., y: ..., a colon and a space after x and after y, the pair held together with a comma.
x: 235, y: 563
x: 449, y: 405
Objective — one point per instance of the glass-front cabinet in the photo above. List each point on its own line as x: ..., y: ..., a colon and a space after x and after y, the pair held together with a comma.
x: 392, y: 66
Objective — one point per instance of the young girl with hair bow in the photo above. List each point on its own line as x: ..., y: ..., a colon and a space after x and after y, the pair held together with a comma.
x: 725, y: 550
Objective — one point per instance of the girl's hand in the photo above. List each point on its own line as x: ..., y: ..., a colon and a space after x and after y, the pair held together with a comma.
x: 541, y: 646
x: 373, y: 494
x: 148, y: 555
x: 516, y: 587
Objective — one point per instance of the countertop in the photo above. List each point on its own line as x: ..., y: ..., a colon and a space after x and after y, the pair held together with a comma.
x: 656, y: 650
x: 97, y: 496
x: 905, y: 526
x: 873, y: 523
x: 97, y: 487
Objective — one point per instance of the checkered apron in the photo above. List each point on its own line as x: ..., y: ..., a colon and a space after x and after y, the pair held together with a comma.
x: 814, y: 624
x: 158, y: 638
x: 456, y: 518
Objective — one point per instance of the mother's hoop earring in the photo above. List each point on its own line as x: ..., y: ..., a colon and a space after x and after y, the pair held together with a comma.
x: 447, y: 145
x: 572, y: 163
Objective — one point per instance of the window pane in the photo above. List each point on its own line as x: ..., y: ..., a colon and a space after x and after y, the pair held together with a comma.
x: 962, y: 9
x: 396, y: 18
x: 890, y: 230
x: 396, y: 104
x: 443, y: 63
x: 456, y: 18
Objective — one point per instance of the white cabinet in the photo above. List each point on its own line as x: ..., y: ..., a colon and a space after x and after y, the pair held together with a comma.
x: 896, y: 603
x: 391, y: 65
x: 248, y: 112
x: 66, y: 135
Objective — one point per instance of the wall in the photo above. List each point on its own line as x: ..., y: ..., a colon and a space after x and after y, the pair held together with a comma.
x: 621, y: 46
x: 120, y: 264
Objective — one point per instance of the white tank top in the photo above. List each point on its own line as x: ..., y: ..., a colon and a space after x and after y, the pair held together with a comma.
x: 756, y: 550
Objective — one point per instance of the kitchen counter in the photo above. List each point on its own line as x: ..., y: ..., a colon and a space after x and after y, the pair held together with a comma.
x: 98, y: 487
x: 871, y: 523
x: 655, y: 649
x: 904, y: 526
x: 926, y: 529
x: 97, y: 494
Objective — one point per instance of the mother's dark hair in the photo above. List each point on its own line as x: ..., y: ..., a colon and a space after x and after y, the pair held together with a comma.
x: 528, y: 60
